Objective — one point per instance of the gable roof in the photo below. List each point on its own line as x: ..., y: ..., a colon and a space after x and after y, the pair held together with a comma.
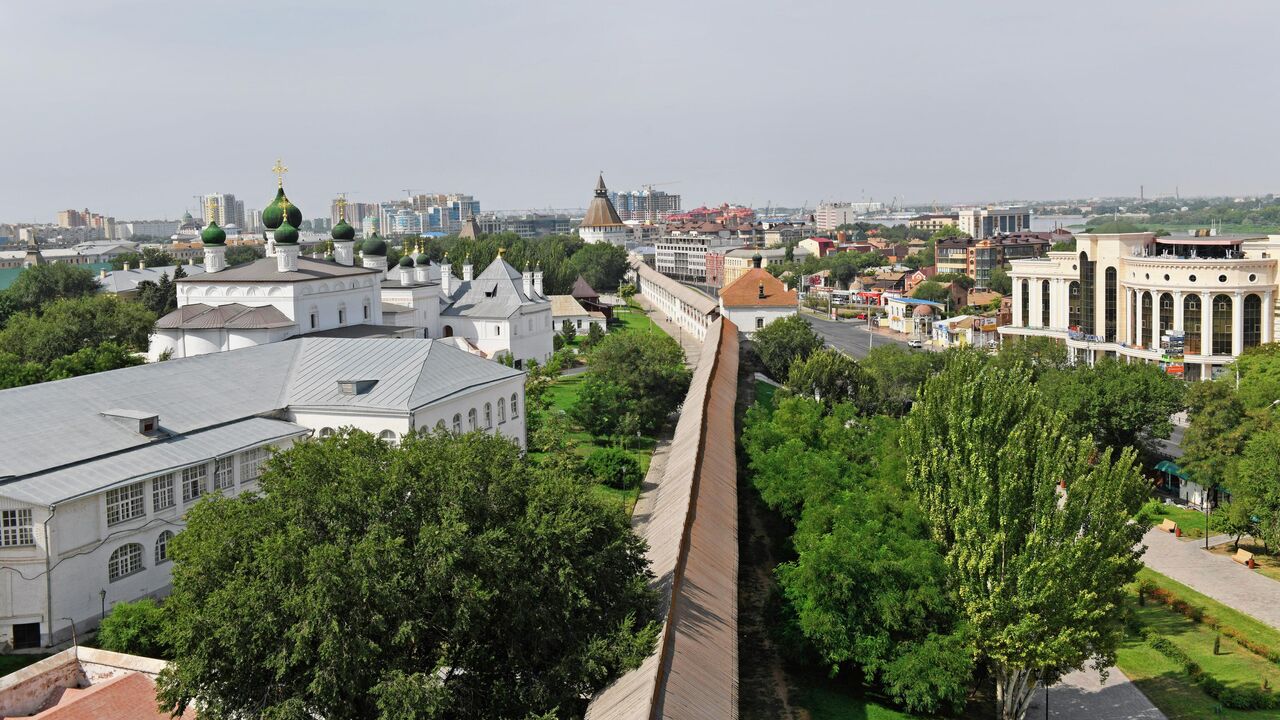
x: 498, y: 292
x: 200, y: 316
x: 566, y: 306
x: 116, y: 281
x: 582, y: 290
x: 745, y: 291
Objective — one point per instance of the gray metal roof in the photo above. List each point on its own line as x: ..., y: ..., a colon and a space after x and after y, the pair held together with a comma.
x: 117, y: 281
x: 267, y: 270
x: 199, y: 316
x: 498, y: 292
x: 54, y: 424
x: 162, y: 455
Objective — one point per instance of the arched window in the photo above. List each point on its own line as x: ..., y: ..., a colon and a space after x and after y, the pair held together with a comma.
x: 1166, y: 315
x: 471, y: 420
x: 1221, y: 325
x: 1044, y: 304
x: 125, y: 561
x: 326, y: 432
x: 1026, y: 303
x: 389, y: 436
x: 440, y: 424
x: 457, y: 424
x: 515, y: 411
x: 1073, y: 305
x: 162, y: 547
x: 502, y: 410
x: 488, y: 415
x: 1191, y: 323
x: 1252, y: 330
x: 1147, y: 323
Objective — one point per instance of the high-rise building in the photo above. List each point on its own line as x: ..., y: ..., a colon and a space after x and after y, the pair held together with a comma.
x: 224, y: 209
x: 647, y: 205
x: 830, y: 216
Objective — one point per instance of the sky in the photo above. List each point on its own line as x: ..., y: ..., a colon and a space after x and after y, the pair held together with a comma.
x: 131, y: 107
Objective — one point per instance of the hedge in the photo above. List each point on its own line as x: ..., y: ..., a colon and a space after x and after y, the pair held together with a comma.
x: 1147, y: 589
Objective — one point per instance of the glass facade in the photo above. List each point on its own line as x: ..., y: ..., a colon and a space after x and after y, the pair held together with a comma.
x: 1111, y: 298
x: 1088, y: 296
x: 1073, y: 304
x: 1149, y: 330
x: 1221, y: 325
x: 1252, y: 330
x: 1044, y: 303
x: 1191, y: 323
x: 1166, y: 314
x: 1026, y: 303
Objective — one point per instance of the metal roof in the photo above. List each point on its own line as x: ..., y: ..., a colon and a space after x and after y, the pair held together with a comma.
x: 200, y: 316
x: 268, y: 270
x: 498, y: 292
x: 693, y: 552
x: 684, y: 293
x: 566, y: 306
x: 54, y: 424
x: 117, y: 281
x: 162, y: 455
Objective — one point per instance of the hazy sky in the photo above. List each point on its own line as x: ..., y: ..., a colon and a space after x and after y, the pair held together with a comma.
x: 131, y: 106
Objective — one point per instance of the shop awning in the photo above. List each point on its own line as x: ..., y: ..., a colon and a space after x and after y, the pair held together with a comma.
x: 1172, y: 468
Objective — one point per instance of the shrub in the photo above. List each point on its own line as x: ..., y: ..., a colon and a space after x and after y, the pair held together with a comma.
x: 615, y: 467
x: 136, y: 628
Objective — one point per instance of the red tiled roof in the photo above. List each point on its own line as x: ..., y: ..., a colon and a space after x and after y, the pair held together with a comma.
x: 128, y: 697
x: 745, y: 291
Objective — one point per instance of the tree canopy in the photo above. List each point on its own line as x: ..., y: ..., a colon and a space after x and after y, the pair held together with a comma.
x: 931, y: 290
x: 635, y: 380
x: 443, y: 578
x: 784, y: 341
x: 152, y: 257
x: 40, y: 285
x: 65, y: 326
x: 1118, y: 404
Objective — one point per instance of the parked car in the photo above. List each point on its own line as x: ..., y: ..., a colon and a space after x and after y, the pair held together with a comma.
x: 915, y: 343
x: 861, y: 316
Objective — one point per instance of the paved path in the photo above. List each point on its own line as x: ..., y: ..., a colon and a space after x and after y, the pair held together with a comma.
x: 1217, y: 576
x: 691, y: 344
x: 1082, y: 695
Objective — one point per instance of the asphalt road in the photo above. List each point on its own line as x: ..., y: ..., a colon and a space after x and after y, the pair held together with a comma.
x: 851, y: 336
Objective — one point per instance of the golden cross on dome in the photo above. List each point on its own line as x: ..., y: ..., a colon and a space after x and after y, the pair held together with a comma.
x: 280, y: 170
x: 342, y: 207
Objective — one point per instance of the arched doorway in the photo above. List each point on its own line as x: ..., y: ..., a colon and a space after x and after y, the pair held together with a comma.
x: 448, y: 331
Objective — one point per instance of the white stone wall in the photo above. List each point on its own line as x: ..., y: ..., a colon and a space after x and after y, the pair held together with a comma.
x: 746, y: 318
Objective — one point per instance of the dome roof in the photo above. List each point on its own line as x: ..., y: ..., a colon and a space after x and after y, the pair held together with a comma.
x: 343, y: 231
x: 274, y: 214
x: 422, y: 259
x: 213, y: 235
x: 374, y: 245
x: 406, y: 262
x: 286, y: 234
x: 922, y: 311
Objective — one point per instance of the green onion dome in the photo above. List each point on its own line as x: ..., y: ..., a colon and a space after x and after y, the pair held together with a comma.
x: 286, y: 234
x: 213, y: 235
x: 343, y: 231
x: 275, y: 214
x: 406, y: 262
x: 422, y: 258
x: 330, y: 258
x: 374, y: 245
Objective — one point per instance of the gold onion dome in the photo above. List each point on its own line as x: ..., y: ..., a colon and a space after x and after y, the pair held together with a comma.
x: 213, y: 235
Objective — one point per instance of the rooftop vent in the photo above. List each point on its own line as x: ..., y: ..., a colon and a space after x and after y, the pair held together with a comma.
x: 355, y: 387
x: 147, y: 423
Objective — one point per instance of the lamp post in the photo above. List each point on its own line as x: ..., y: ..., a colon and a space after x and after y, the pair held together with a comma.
x: 102, y: 595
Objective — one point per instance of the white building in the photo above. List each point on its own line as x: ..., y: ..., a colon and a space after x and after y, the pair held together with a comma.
x: 756, y: 299
x: 500, y: 311
x: 85, y: 521
x: 566, y: 308
x: 1190, y: 303
x: 830, y: 216
x: 602, y: 223
x: 990, y: 221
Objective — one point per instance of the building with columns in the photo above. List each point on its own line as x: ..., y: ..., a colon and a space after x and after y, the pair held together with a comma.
x: 1192, y: 303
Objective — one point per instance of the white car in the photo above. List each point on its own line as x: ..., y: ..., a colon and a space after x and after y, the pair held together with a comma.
x: 915, y: 343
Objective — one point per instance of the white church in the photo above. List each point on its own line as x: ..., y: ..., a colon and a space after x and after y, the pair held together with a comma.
x: 501, y: 311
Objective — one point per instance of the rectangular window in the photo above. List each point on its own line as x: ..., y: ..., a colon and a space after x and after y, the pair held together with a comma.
x: 222, y: 474
x: 251, y: 464
x: 193, y: 482
x: 162, y: 492
x: 342, y: 316
x: 125, y: 504
x: 16, y: 528
x: 314, y: 319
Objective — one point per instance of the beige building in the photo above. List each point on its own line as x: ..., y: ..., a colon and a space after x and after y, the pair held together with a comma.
x: 1192, y: 304
x: 933, y: 222
x: 993, y: 220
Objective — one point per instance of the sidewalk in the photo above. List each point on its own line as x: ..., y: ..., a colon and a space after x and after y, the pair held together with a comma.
x: 691, y: 344
x: 1221, y: 578
x: 1082, y: 695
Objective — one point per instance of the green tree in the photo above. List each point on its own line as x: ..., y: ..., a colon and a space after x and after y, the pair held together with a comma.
x: 1259, y: 369
x: 1040, y: 355
x: 1000, y: 281
x: 831, y: 377
x: 1255, y: 489
x: 1216, y: 434
x: 443, y: 578
x: 1118, y: 404
x: 784, y: 341
x: 1039, y: 571
x: 615, y: 467
x: 40, y: 285
x: 931, y: 290
x: 602, y: 265
x: 594, y: 335
x: 948, y: 232
x: 626, y: 291
x: 240, y: 254
x: 64, y: 326
x: 152, y: 257
x: 568, y: 332
x: 104, y: 356
x: 898, y: 374
x: 638, y: 373
x: 161, y: 297
x: 136, y: 628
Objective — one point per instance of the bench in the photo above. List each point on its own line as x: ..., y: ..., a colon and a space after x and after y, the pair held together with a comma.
x: 1244, y: 557
x: 1169, y: 525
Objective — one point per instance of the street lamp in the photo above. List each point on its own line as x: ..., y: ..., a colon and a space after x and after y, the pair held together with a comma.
x: 102, y: 595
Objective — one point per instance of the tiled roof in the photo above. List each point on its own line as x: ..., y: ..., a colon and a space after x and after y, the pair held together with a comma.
x: 745, y: 291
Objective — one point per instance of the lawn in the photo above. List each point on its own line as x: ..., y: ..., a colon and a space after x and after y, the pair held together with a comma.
x: 1163, y: 679
x: 14, y: 663
x: 632, y: 317
x: 1268, y: 565
x: 1191, y: 521
x: 764, y: 393
x: 823, y: 702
